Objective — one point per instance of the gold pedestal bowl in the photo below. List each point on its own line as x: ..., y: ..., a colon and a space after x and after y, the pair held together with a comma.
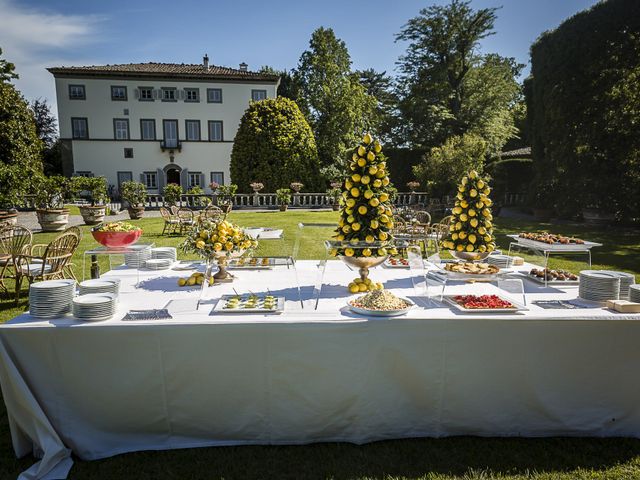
x: 363, y: 264
x: 469, y: 256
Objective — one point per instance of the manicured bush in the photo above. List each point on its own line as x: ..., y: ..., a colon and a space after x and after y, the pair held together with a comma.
x: 172, y: 193
x: 275, y: 144
x: 584, y: 109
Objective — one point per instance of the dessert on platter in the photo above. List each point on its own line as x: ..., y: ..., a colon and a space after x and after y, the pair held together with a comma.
x: 394, y: 262
x: 250, y: 303
x: 380, y: 303
x: 482, y: 304
x: 252, y: 263
x: 553, y: 241
x: 547, y: 275
x: 551, y: 238
x: 472, y: 268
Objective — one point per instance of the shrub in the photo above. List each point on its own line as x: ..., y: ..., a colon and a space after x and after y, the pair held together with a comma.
x: 584, y: 109
x: 275, y: 144
x: 134, y: 193
x: 284, y: 196
x: 52, y: 191
x: 172, y: 193
x: 226, y: 193
x: 95, y: 188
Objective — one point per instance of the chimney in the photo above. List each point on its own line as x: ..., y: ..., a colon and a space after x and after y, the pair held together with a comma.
x: 205, y: 61
x: 243, y: 67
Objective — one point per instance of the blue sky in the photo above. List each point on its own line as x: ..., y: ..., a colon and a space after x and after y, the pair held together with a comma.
x: 37, y: 34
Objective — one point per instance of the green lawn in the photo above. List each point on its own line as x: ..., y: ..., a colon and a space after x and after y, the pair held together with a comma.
x: 450, y: 458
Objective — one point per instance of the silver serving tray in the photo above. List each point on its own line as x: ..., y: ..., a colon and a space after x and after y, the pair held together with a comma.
x: 233, y: 264
x: 220, y: 307
x: 464, y: 277
x: 541, y: 281
x: 572, y: 247
x: 517, y: 306
x: 387, y: 264
x: 381, y: 313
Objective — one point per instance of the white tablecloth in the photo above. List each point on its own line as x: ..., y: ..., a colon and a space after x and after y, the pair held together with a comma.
x: 100, y: 389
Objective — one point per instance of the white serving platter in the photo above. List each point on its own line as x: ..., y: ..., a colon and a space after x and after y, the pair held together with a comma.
x: 517, y: 306
x: 572, y: 247
x: 237, y: 264
x: 381, y: 313
x: 541, y: 281
x: 222, y: 303
x: 388, y: 264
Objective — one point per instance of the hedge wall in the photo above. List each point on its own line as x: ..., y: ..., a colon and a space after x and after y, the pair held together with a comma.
x: 583, y: 99
x: 401, y: 162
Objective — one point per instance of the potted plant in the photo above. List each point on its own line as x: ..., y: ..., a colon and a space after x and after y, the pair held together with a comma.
x: 50, y: 195
x: 413, y: 186
x: 135, y: 194
x: 94, y: 189
x: 13, y: 182
x: 334, y: 194
x: 256, y: 186
x: 225, y: 196
x: 284, y: 198
x: 172, y: 194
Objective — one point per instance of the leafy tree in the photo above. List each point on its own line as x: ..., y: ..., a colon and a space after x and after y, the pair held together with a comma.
x: 20, y: 147
x: 46, y: 125
x: 274, y: 145
x: 337, y: 106
x: 381, y: 86
x: 442, y: 166
x: 289, y: 86
x: 7, y: 70
x: 446, y: 88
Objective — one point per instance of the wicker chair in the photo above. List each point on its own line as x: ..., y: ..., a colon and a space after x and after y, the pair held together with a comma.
x: 186, y: 219
x: 423, y: 217
x: 171, y: 223
x: 51, y: 265
x: 212, y: 213
x: 15, y: 240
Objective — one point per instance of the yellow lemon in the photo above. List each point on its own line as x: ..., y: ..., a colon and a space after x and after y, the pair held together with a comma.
x: 460, y: 248
x: 491, y: 248
x: 482, y: 248
x: 459, y: 226
x: 355, y: 192
x: 351, y: 219
x: 229, y: 246
x: 473, y: 174
x: 454, y: 236
x: 362, y: 287
x: 486, y: 191
x: 366, y: 252
x: 383, y: 236
x: 353, y: 165
x: 192, y: 281
x: 470, y: 248
x: 348, y: 184
x: 355, y: 227
x: 362, y: 210
x: 482, y: 230
x: 377, y: 183
x: 464, y: 204
x: 373, y: 170
x: 354, y: 241
x: 488, y: 224
x: 362, y: 162
x: 385, y: 181
x: 382, y: 252
x: 380, y: 209
x: 388, y: 212
x: 353, y: 288
x: 348, y: 252
x: 355, y: 177
x: 472, y: 212
x: 384, y: 197
x: 393, y: 251
x: 464, y: 180
x: 472, y: 238
x: 486, y: 212
x: 199, y: 280
x: 354, y: 157
x: 348, y: 211
x: 367, y: 139
x: 473, y: 192
x: 365, y: 180
x: 374, y: 224
x: 340, y: 238
x: 462, y: 235
x: 182, y: 282
x: 457, y: 210
x: 369, y: 239
x: 480, y: 184
x: 474, y: 222
x: 368, y: 194
x: 380, y: 173
x: 371, y: 156
x: 377, y: 147
x: 361, y: 150
x: 351, y: 203
x: 461, y: 188
x: 346, y: 229
x: 374, y: 202
x: 204, y: 234
x: 384, y: 218
x: 199, y: 244
x: 487, y: 238
x: 464, y: 217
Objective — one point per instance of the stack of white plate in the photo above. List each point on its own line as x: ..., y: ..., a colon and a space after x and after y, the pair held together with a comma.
x: 94, y: 307
x: 634, y: 293
x: 136, y: 260
x: 158, y: 263
x: 111, y: 285
x: 501, y: 261
x: 626, y: 280
x: 165, y: 252
x: 51, y: 298
x: 599, y: 285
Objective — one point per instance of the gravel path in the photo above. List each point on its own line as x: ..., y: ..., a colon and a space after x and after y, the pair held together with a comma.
x: 29, y: 219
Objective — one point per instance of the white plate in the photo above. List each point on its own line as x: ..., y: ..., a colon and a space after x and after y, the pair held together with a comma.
x: 517, y: 306
x: 381, y: 313
x: 53, y: 284
x: 556, y: 247
x: 388, y: 264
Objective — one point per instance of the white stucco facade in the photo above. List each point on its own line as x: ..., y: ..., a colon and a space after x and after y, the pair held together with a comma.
x: 101, y: 154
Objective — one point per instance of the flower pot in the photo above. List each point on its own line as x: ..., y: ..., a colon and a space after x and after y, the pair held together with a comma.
x: 542, y: 214
x: 597, y: 216
x: 283, y: 208
x: 54, y: 220
x: 8, y: 218
x: 93, y: 215
x: 335, y: 207
x: 136, y: 213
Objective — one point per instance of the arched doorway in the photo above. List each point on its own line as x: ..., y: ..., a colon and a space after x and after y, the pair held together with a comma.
x: 173, y: 176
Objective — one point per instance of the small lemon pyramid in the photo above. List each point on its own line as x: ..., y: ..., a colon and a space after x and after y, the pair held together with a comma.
x: 471, y: 229
x: 365, y: 216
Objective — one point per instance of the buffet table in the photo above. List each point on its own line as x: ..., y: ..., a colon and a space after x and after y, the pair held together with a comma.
x: 105, y: 388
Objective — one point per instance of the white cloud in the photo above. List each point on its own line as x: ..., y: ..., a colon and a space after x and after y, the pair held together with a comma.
x: 34, y: 39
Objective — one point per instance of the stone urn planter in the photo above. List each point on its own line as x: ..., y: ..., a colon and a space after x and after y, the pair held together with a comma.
x: 597, y: 216
x: 335, y: 207
x: 53, y: 220
x: 8, y: 218
x: 136, y: 213
x: 93, y: 215
x: 542, y: 214
x: 283, y: 208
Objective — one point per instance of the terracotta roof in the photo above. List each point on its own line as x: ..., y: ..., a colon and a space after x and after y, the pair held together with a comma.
x: 164, y: 70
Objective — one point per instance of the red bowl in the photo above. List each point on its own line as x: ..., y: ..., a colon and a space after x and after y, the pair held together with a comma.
x: 117, y: 239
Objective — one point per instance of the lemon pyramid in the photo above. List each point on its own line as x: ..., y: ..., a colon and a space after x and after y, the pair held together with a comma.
x: 365, y: 216
x: 471, y: 229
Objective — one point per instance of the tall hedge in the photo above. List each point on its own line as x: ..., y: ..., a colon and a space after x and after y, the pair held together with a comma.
x: 275, y: 146
x: 584, y: 110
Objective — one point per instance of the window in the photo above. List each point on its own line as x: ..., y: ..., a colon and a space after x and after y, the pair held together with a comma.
x: 128, y: 153
x: 215, y: 130
x: 258, y: 95
x: 79, y: 128
x: 145, y: 94
x: 83, y: 173
x: 150, y: 179
x: 168, y: 94
x: 121, y: 129
x: 193, y: 130
x: 118, y: 93
x: 217, y: 177
x: 214, y: 95
x: 170, y: 128
x: 76, y: 92
x: 147, y: 129
x: 194, y: 179
x: 191, y: 94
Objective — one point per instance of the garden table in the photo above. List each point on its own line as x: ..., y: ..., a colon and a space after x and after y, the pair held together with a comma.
x: 105, y: 388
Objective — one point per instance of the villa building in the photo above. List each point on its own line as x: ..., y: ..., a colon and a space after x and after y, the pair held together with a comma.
x: 154, y: 122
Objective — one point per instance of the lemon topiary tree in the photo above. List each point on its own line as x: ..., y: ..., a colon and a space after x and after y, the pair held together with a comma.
x: 366, y: 218
x: 471, y: 228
